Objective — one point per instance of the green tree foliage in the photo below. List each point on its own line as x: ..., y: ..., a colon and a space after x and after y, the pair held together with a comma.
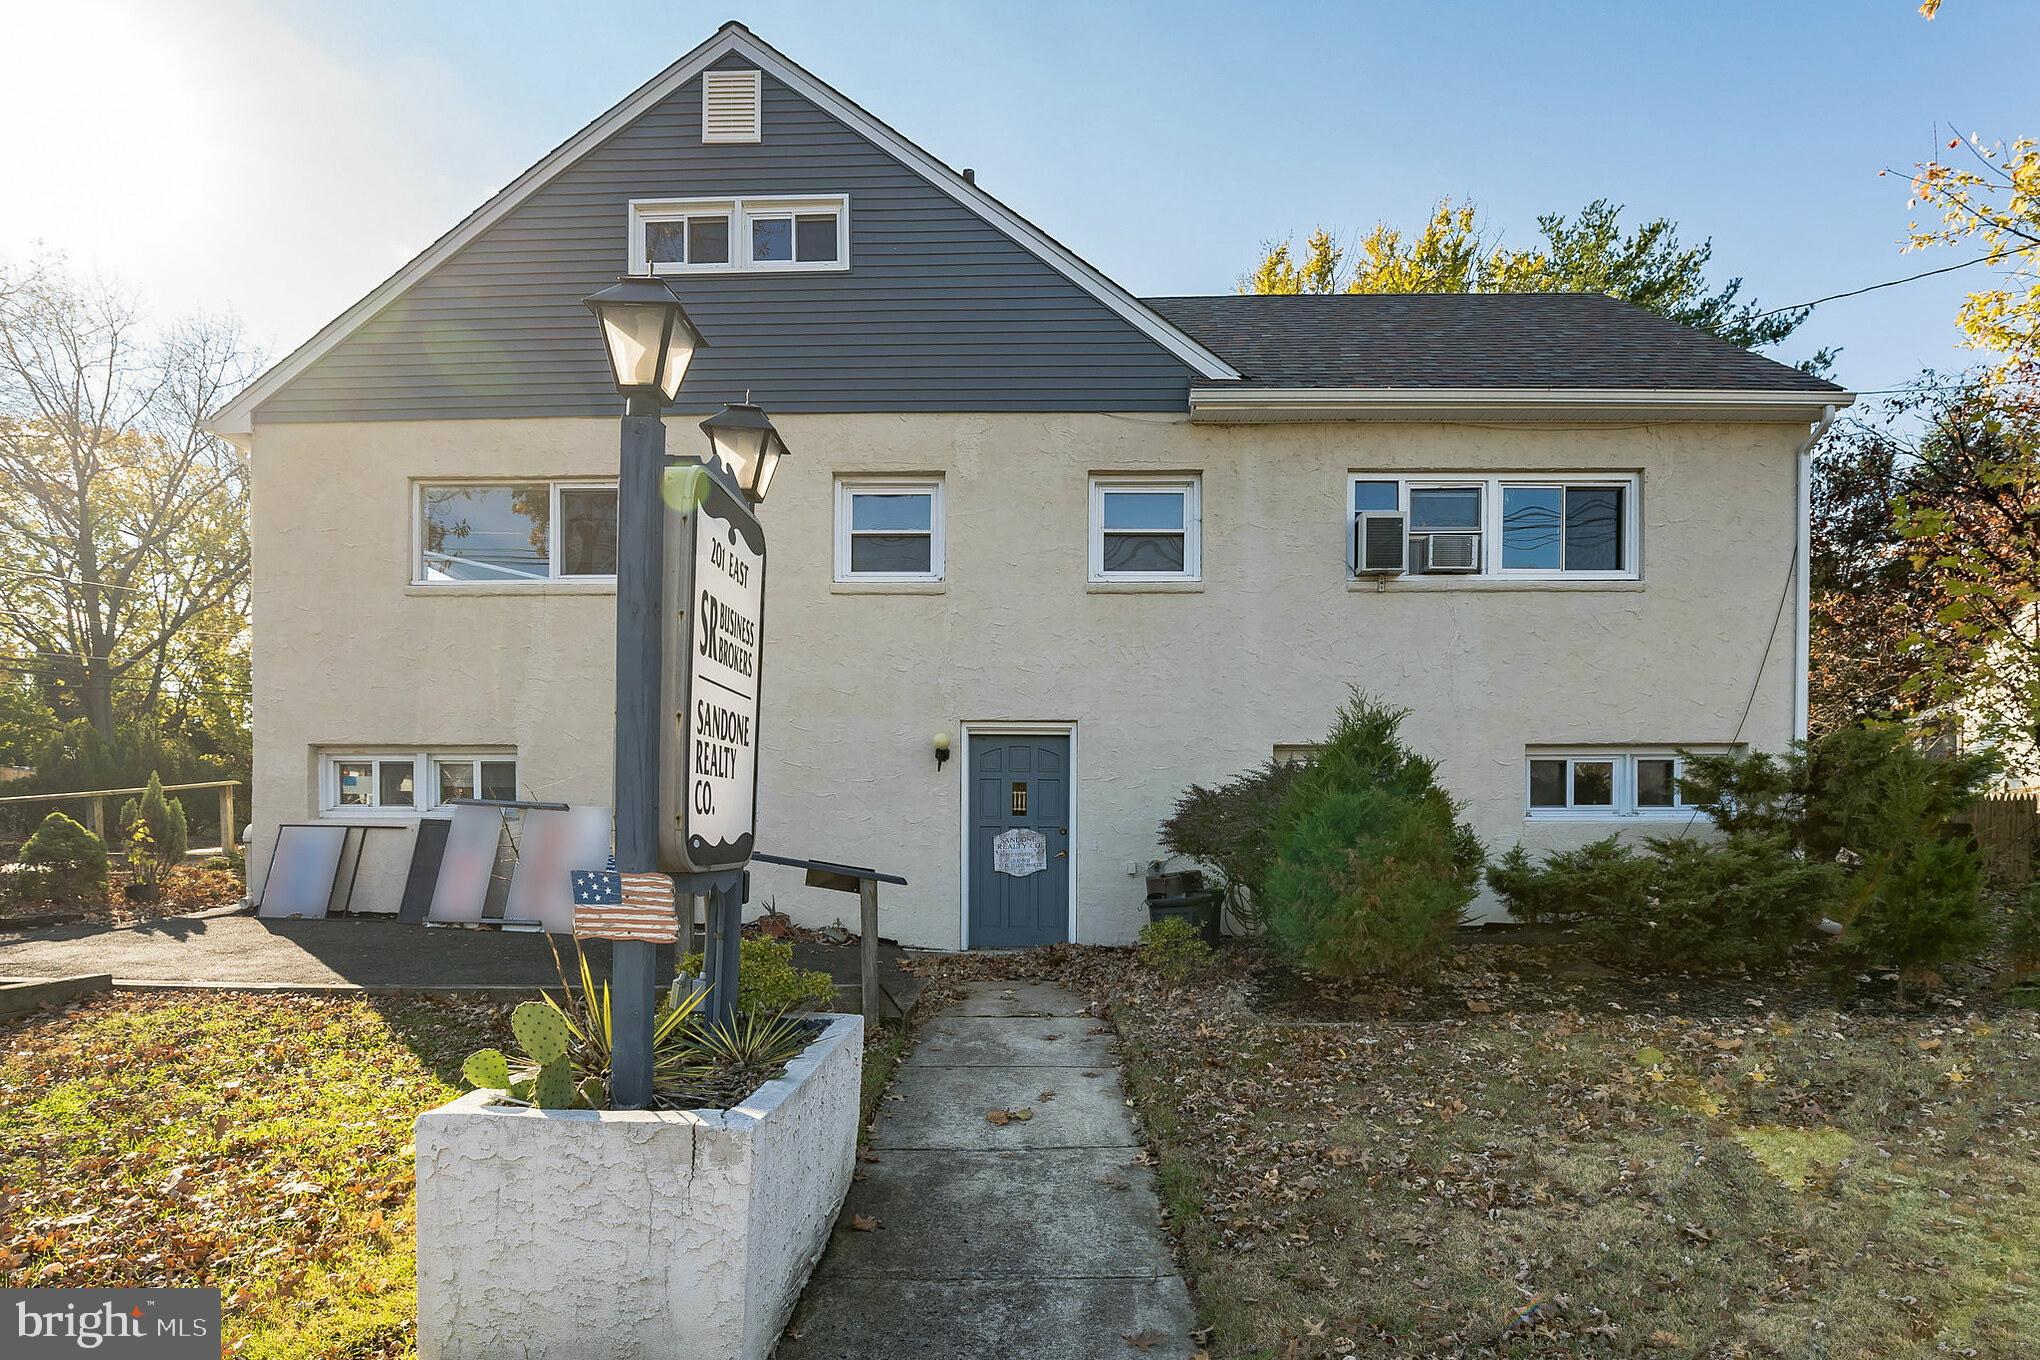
x: 1591, y: 252
x: 63, y: 862
x: 1866, y: 799
x: 1230, y: 829
x: 1373, y: 870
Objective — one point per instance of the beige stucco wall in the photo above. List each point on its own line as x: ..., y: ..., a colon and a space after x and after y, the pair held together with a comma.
x: 1166, y: 686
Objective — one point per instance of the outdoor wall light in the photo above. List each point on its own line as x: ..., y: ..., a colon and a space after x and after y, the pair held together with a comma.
x: 648, y: 336
x: 744, y: 439
x: 941, y: 748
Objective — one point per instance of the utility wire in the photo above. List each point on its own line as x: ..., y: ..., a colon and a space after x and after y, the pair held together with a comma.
x: 1888, y: 283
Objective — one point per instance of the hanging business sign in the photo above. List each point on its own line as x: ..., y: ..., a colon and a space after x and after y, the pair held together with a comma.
x: 715, y: 641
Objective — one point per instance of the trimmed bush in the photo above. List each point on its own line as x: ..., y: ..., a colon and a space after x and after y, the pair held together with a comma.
x: 767, y: 981
x: 66, y: 862
x: 1230, y: 830
x: 1866, y: 798
x: 1696, y: 903
x: 1372, y: 870
x: 1579, y: 889
x: 1174, y: 948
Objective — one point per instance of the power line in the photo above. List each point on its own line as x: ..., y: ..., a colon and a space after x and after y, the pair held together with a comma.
x: 1888, y: 283
x: 79, y: 585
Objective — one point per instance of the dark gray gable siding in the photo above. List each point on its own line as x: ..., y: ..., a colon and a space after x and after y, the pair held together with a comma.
x: 939, y: 311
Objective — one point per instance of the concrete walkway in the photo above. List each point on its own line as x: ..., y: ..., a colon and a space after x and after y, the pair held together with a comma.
x: 1039, y: 1237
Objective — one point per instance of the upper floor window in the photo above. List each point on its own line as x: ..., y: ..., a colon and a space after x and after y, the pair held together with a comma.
x: 395, y: 783
x: 1145, y: 529
x: 889, y: 529
x: 515, y: 532
x: 685, y: 236
x: 1605, y: 784
x: 1554, y: 527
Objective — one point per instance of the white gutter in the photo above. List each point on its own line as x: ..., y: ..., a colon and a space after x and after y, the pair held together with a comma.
x: 1802, y: 564
x: 1229, y: 402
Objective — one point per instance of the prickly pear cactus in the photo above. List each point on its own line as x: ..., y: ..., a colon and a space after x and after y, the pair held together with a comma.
x: 553, y: 1087
x: 520, y: 1089
x: 593, y: 1093
x: 487, y: 1070
x: 542, y: 1030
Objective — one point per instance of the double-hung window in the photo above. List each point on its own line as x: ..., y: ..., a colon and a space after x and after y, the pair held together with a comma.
x: 1591, y: 784
x: 889, y: 529
x: 772, y: 233
x: 1145, y: 529
x: 399, y: 782
x: 1560, y: 527
x: 515, y: 532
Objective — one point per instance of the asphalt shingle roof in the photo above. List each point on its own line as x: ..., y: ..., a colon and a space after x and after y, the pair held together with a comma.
x: 1468, y: 340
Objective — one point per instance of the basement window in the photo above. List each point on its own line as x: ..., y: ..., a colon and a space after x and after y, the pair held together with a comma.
x: 1584, y: 785
x: 389, y: 783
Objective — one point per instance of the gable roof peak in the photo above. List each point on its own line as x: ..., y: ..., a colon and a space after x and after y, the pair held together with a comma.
x: 235, y: 420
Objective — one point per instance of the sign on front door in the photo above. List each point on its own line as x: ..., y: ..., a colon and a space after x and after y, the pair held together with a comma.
x: 714, y: 650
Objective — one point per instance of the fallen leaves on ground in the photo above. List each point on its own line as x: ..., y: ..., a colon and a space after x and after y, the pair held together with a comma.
x: 865, y: 1223
x: 259, y: 1144
x: 1004, y: 1117
x: 1592, y: 1165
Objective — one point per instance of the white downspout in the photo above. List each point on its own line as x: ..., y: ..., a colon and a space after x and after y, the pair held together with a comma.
x: 1802, y: 566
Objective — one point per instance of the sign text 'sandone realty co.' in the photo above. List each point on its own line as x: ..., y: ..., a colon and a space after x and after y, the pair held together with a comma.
x: 714, y: 652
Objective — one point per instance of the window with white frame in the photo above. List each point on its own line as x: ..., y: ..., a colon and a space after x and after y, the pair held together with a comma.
x: 1145, y: 529
x: 1554, y: 527
x: 773, y: 233
x: 889, y: 529
x: 385, y: 783
x: 515, y: 532
x: 1588, y: 784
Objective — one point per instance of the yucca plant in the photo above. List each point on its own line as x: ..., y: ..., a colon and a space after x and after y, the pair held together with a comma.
x: 724, y: 1061
x: 590, y: 1027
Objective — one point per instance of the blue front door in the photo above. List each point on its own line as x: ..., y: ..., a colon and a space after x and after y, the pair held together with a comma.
x: 1019, y: 841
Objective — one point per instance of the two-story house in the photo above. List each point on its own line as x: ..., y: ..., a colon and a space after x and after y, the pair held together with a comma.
x: 1104, y: 545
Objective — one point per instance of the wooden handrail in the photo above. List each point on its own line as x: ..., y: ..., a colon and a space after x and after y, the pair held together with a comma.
x: 95, y: 812
x: 115, y: 793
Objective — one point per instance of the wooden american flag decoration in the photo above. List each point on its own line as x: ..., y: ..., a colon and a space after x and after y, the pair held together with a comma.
x: 614, y: 906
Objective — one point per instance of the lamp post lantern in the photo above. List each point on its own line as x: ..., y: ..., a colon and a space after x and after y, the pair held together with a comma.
x: 746, y: 442
x: 649, y: 341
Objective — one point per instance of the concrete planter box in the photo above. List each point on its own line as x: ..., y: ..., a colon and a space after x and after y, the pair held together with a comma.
x: 633, y: 1234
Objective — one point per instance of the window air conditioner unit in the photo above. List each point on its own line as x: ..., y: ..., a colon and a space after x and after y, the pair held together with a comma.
x: 1381, y: 540
x: 1452, y: 553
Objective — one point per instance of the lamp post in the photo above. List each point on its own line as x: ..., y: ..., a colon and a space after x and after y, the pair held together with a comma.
x: 649, y: 341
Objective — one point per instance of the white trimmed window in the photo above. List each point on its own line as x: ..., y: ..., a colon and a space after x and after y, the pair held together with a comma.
x: 1550, y: 527
x: 758, y: 234
x: 889, y: 529
x: 1145, y: 529
x: 396, y: 783
x: 514, y: 532
x: 1589, y: 784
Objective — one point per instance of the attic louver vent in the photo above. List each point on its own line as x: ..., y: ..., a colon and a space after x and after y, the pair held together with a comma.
x: 731, y: 107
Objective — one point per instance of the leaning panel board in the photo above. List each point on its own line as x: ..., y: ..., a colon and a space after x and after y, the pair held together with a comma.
x: 468, y: 865
x: 302, y: 871
x: 554, y: 844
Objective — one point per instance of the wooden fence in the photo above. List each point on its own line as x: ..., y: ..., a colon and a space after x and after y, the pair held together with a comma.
x: 95, y: 804
x: 2007, y: 831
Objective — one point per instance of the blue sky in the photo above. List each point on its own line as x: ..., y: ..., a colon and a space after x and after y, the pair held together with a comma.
x: 286, y: 156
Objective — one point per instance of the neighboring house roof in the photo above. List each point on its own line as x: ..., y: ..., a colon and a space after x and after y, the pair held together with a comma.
x: 236, y: 418
x: 1432, y: 340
